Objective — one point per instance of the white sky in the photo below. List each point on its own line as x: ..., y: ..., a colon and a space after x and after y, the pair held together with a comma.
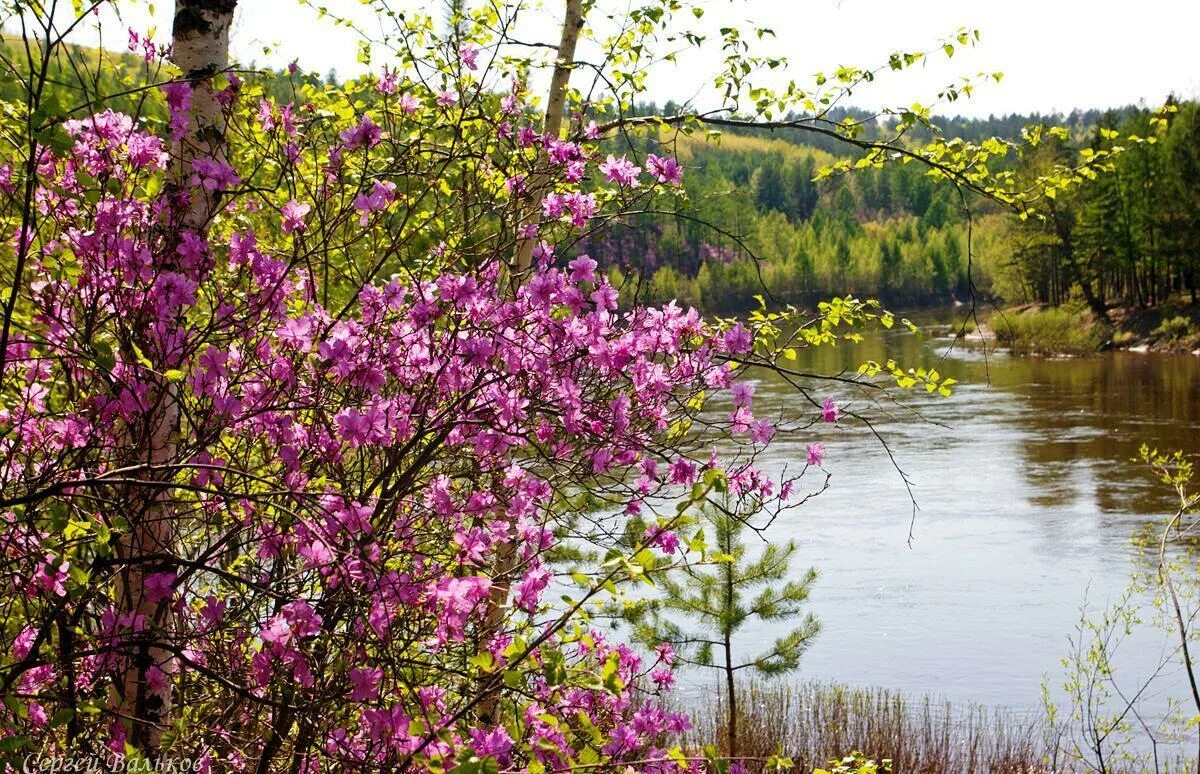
x: 1055, y: 54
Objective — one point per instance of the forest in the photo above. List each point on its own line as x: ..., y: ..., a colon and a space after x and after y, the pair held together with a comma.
x: 1127, y: 237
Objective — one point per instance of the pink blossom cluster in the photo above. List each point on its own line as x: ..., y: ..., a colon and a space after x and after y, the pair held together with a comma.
x: 366, y: 489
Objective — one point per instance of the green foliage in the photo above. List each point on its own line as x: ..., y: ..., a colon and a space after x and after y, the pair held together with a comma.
x: 1175, y: 328
x: 855, y: 763
x: 728, y: 588
x: 702, y: 606
x: 1070, y: 329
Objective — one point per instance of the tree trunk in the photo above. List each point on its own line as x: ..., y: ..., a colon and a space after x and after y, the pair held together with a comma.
x: 1062, y: 226
x: 727, y: 637
x: 201, y: 50
x: 559, y: 82
x: 507, y: 553
x: 733, y: 709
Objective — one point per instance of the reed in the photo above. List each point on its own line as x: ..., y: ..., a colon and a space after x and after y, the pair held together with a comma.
x: 811, y: 723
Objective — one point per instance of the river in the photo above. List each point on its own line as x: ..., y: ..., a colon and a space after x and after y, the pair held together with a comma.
x: 1027, y: 499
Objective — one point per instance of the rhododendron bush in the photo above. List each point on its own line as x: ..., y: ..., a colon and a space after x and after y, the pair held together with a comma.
x: 292, y: 438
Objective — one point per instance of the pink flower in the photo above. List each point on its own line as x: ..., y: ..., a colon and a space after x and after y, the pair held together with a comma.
x: 157, y: 679
x: 409, y: 103
x: 467, y: 55
x: 621, y: 171
x: 52, y: 577
x: 382, y: 194
x: 740, y: 419
x: 552, y: 206
x: 605, y: 297
x: 266, y: 116
x: 622, y: 739
x: 446, y: 98
x: 816, y: 453
x: 683, y: 471
x: 664, y: 539
x: 159, y: 586
x: 304, y: 620
x: 582, y: 207
x: 743, y: 394
x: 277, y: 631
x: 527, y: 136
x: 583, y: 269
x: 663, y: 678
x: 515, y: 185
x: 365, y: 683
x: 495, y: 743
x: 293, y: 216
x: 529, y: 590
x: 664, y: 170
x: 457, y: 598
x: 574, y: 171
x: 24, y: 642
x: 761, y: 431
x: 387, y: 84
x: 738, y: 340
x: 829, y: 410
x: 366, y: 133
x: 213, y: 175
x: 563, y: 151
x: 179, y: 104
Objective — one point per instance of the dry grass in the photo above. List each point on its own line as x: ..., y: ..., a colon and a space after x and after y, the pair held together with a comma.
x: 812, y: 723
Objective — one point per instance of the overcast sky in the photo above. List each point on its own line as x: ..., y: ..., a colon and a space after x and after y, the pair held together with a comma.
x: 1055, y: 54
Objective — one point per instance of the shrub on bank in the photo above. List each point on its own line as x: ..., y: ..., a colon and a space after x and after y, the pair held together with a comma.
x: 1175, y: 329
x: 1056, y: 330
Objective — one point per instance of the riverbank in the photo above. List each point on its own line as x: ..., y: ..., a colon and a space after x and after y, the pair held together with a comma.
x: 1074, y: 329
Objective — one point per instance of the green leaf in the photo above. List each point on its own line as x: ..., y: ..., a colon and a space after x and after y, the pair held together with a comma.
x: 105, y: 358
x: 477, y: 765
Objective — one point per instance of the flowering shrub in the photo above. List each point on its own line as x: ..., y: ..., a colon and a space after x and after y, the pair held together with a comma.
x: 359, y: 494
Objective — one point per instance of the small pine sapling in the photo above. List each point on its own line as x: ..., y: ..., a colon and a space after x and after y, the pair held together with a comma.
x: 704, y: 605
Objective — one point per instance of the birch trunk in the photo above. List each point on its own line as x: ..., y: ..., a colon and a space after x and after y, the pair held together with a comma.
x: 506, y: 559
x: 200, y: 39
